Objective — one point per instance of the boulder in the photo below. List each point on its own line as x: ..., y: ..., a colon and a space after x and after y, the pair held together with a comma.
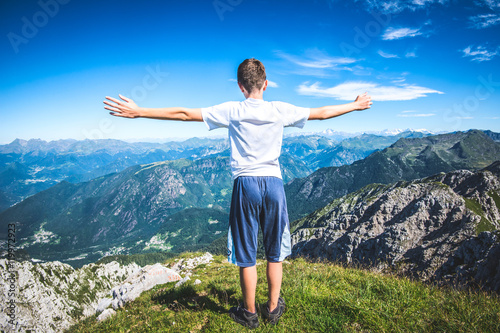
x: 142, y: 280
x: 106, y: 314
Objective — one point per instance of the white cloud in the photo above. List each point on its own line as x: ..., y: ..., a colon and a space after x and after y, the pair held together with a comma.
x: 399, y: 80
x: 480, y: 53
x: 362, y: 71
x: 491, y: 4
x: 348, y: 91
x: 318, y: 59
x: 396, y: 79
x: 484, y: 21
x: 396, y: 6
x: 387, y: 55
x: 398, y: 33
x: 410, y: 54
x: 272, y: 84
x: 415, y: 114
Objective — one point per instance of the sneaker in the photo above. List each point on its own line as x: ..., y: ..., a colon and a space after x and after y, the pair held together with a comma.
x: 274, y: 316
x: 243, y: 317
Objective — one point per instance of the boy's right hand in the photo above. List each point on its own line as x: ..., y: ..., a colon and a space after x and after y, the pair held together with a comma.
x: 127, y: 109
x: 363, y: 102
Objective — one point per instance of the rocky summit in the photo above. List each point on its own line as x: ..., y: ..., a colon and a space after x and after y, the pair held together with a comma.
x: 442, y: 228
x: 50, y: 297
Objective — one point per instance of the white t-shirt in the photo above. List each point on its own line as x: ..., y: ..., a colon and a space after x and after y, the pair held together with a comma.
x: 255, y: 132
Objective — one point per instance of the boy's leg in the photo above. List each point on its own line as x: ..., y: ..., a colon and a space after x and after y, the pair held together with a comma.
x: 274, y: 276
x: 242, y: 237
x: 277, y: 243
x: 248, y: 282
x: 246, y: 314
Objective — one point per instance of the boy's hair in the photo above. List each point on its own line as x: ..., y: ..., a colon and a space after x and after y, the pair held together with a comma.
x: 251, y: 74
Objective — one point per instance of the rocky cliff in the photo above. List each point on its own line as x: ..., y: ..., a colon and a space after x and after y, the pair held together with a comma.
x: 443, y: 228
x: 51, y: 296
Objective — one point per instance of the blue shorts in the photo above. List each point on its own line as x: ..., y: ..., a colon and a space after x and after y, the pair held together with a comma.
x: 258, y: 201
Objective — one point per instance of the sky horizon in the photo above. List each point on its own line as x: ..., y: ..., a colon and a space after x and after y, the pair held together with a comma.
x: 428, y: 64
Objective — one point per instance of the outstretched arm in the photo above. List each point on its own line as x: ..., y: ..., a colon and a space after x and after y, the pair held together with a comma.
x: 362, y: 102
x: 128, y: 109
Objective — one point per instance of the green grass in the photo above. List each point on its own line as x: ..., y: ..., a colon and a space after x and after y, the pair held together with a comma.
x: 320, y: 298
x: 484, y: 224
x: 495, y: 197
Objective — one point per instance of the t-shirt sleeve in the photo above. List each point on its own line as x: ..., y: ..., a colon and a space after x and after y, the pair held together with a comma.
x: 217, y: 116
x: 293, y: 116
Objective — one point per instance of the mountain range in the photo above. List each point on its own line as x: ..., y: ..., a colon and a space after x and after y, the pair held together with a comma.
x: 28, y: 167
x: 183, y: 204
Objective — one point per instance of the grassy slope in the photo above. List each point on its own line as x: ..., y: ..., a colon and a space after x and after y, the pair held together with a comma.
x: 320, y: 298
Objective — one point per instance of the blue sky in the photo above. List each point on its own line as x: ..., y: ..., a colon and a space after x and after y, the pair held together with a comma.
x: 428, y: 64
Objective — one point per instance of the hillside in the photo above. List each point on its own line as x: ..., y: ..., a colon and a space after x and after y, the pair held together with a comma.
x: 120, y: 213
x: 319, y: 151
x: 54, y: 297
x: 190, y: 229
x: 320, y: 297
x: 406, y: 159
x: 444, y: 228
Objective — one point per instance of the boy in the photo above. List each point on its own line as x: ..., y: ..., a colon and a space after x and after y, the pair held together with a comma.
x: 255, y: 135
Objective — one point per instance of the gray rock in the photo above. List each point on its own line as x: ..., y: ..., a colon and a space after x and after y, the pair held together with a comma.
x: 142, y: 280
x: 476, y: 260
x: 106, y: 314
x: 182, y: 281
x: 52, y: 296
x: 186, y: 265
x: 103, y: 304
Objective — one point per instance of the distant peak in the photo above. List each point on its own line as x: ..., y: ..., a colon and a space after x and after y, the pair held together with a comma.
x: 19, y: 142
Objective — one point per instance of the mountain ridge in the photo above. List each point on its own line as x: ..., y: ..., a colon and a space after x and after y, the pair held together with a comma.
x: 404, y: 160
